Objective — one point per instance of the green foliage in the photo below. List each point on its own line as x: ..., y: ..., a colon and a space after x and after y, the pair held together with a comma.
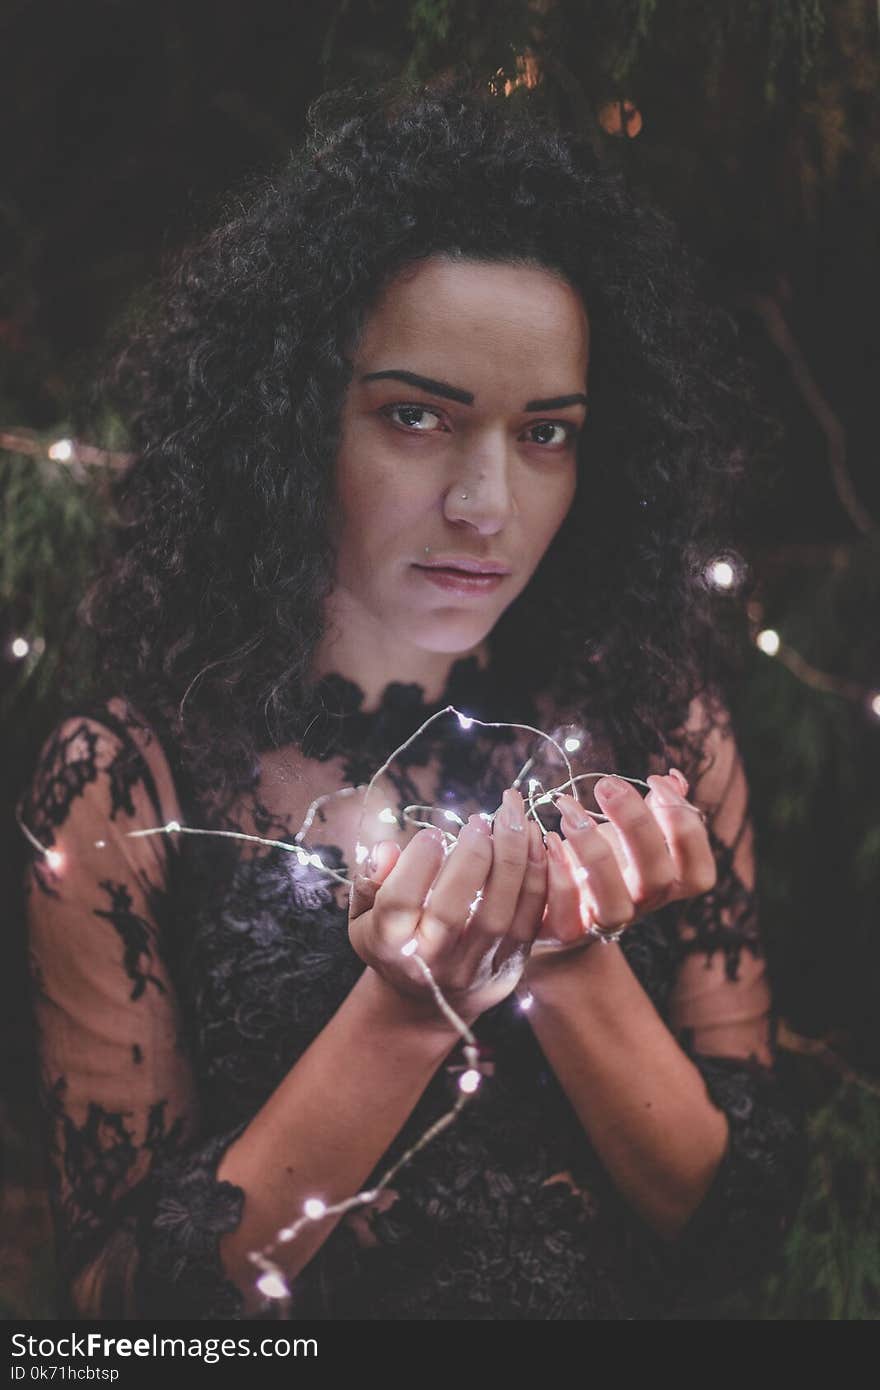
x: 53, y: 525
x: 829, y: 1266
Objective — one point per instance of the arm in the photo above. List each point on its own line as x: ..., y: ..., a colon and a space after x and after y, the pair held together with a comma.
x: 687, y: 1114
x: 141, y: 1206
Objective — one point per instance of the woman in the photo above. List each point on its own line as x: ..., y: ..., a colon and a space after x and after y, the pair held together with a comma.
x: 440, y: 339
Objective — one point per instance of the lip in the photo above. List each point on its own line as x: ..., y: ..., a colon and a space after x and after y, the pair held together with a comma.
x: 464, y: 562
x: 456, y: 582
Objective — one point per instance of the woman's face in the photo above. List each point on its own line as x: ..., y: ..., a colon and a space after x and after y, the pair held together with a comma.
x: 469, y: 378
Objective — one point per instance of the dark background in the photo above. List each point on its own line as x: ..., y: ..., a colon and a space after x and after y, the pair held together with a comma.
x: 755, y: 123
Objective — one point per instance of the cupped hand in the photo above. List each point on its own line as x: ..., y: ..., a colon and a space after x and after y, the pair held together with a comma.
x: 472, y: 915
x: 652, y: 851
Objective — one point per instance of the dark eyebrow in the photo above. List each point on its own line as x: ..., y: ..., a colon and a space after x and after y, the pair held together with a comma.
x: 436, y: 388
x: 455, y: 393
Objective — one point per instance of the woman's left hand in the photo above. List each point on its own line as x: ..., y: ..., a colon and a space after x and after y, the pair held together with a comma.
x: 652, y: 851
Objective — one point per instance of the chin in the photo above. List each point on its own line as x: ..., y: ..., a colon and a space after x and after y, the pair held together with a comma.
x: 449, y: 638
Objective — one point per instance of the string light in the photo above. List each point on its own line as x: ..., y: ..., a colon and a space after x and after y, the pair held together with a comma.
x: 725, y: 572
x: 20, y: 647
x: 70, y: 452
x: 768, y: 641
x: 271, y: 1281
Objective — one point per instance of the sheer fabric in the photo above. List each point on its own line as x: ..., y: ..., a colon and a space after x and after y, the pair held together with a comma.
x: 177, y: 978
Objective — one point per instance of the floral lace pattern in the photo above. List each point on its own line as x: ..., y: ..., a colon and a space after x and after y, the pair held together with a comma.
x: 178, y: 981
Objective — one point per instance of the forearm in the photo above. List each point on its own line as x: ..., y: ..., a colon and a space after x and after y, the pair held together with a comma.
x: 640, y: 1099
x: 327, y: 1125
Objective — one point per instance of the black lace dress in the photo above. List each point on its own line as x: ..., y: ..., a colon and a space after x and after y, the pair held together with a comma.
x: 178, y: 978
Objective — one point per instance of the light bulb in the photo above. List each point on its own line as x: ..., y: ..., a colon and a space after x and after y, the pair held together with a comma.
x: 469, y: 1081
x: 272, y: 1285
x: 768, y: 641
x: 314, y: 1208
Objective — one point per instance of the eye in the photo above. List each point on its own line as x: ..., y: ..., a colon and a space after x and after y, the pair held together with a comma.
x: 565, y: 432
x: 413, y: 418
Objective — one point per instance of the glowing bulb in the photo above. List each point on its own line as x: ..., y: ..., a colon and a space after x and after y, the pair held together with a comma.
x: 314, y: 1208
x: 875, y: 704
x: 173, y: 826
x: 272, y: 1285
x: 316, y: 860
x: 452, y: 815
x: 464, y: 720
x: 100, y: 844
x: 61, y: 450
x: 388, y: 816
x: 410, y: 948
x: 533, y: 785
x: 54, y: 859
x: 526, y: 1001
x: 580, y: 874
x: 721, y: 574
x: 469, y: 1081
x: 768, y: 641
x: 571, y: 745
x: 302, y: 856
x: 20, y: 647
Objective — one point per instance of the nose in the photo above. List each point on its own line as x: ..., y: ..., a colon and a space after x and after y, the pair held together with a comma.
x: 481, y: 494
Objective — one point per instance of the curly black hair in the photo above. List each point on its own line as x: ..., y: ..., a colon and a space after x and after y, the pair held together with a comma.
x: 210, y: 609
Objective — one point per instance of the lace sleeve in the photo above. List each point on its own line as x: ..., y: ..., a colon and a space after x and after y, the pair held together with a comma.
x: 721, y: 1012
x: 138, y: 1210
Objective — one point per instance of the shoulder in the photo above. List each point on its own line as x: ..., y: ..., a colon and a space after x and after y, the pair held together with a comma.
x: 104, y: 754
x: 707, y: 740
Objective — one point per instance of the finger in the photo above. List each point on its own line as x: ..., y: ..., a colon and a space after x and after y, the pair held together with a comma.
x: 650, y: 874
x: 686, y: 838
x: 491, y: 918
x: 463, y: 875
x: 398, y: 901
x: 365, y: 886
x: 563, y: 922
x: 532, y: 900
x: 604, y: 886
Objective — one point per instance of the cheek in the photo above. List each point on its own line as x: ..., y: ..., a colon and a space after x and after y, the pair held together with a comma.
x: 550, y: 505
x: 382, y: 506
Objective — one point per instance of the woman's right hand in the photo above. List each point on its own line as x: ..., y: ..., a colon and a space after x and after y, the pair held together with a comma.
x: 475, y: 957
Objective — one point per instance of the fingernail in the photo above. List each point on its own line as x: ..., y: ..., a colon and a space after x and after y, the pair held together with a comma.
x: 607, y: 789
x: 476, y: 823
x: 573, y: 815
x: 554, y: 847
x: 680, y: 779
x: 511, y: 803
x: 665, y: 791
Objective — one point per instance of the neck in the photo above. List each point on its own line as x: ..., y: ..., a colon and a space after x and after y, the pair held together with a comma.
x: 367, y: 654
